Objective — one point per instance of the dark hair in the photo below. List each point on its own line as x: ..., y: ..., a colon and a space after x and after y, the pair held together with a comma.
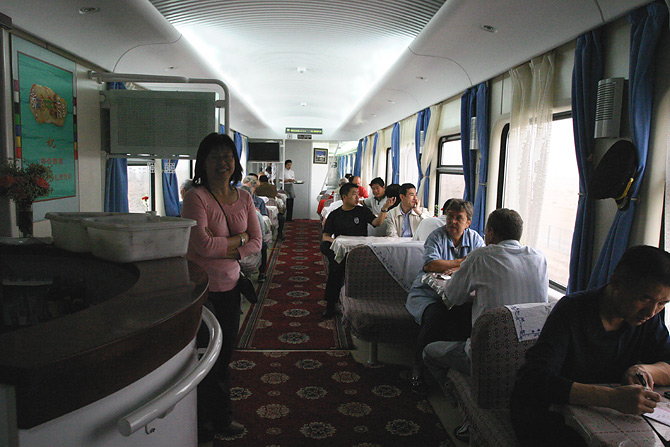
x: 211, y: 142
x: 445, y: 207
x: 287, y: 162
x: 377, y: 181
x: 268, y: 169
x: 405, y: 187
x: 393, y: 190
x: 642, y: 264
x: 459, y: 205
x: 505, y: 224
x: 263, y: 179
x: 252, y: 174
x: 348, y: 176
x: 344, y: 189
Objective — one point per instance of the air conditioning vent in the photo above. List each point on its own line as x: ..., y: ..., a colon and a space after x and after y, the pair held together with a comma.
x: 608, y: 108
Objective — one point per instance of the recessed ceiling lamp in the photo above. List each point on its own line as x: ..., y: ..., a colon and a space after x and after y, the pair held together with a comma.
x: 421, y: 78
x: 171, y: 67
x: 373, y: 114
x: 391, y: 101
x: 489, y: 28
x: 304, y: 104
x: 88, y: 10
x: 302, y: 69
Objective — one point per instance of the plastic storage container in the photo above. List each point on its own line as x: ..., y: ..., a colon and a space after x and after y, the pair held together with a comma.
x: 69, y: 232
x: 126, y: 238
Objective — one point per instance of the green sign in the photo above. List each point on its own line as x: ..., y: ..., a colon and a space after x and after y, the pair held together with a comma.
x: 304, y: 130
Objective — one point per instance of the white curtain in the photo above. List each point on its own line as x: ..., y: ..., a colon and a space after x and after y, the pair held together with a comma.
x: 245, y: 153
x: 409, y: 172
x: 379, y: 165
x: 429, y: 155
x: 529, y: 137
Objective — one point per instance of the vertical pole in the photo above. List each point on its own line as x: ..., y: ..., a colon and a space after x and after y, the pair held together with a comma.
x: 7, y: 210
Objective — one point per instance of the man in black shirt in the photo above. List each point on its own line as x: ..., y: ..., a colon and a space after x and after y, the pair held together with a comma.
x: 613, y: 334
x: 348, y: 220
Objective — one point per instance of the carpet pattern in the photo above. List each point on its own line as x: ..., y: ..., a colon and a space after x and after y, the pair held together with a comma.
x: 328, y: 399
x: 288, y: 313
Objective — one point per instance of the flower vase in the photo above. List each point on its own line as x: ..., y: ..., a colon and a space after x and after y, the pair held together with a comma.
x: 24, y: 220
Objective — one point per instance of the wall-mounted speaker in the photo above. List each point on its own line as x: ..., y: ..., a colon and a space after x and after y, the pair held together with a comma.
x: 608, y: 108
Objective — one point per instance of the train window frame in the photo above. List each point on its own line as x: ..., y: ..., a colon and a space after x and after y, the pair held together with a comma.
x: 446, y: 169
x: 502, y: 180
x: 151, y: 168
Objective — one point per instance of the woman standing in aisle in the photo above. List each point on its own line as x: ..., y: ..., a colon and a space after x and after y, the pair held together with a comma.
x: 227, y: 229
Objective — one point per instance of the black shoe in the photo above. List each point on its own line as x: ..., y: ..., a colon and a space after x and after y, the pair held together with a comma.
x: 462, y: 433
x: 330, y: 312
x: 419, y: 386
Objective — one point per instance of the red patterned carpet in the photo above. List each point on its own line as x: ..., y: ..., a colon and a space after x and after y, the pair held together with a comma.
x: 326, y: 399
x: 288, y: 313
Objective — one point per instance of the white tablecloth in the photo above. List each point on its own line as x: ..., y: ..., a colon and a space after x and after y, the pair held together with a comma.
x: 273, y: 212
x: 344, y: 244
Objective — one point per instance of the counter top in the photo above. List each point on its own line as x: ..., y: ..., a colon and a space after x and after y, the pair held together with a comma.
x: 143, y: 314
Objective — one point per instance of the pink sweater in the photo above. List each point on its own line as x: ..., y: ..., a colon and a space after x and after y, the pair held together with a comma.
x: 205, y: 250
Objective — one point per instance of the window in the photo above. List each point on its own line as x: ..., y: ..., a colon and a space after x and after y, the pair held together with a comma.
x: 560, y: 199
x: 141, y: 184
x: 184, y: 171
x: 450, y: 181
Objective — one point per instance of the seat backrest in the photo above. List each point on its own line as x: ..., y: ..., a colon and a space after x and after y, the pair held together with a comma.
x: 366, y: 277
x: 497, y: 354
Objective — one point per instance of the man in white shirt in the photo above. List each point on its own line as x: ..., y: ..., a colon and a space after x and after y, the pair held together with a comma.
x: 502, y: 273
x: 289, y: 180
x: 378, y: 199
x: 404, y: 219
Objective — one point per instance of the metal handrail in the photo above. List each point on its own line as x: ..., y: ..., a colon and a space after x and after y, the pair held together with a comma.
x: 160, y: 406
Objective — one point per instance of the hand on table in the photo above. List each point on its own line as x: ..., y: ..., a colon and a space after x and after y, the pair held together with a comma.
x: 634, y: 399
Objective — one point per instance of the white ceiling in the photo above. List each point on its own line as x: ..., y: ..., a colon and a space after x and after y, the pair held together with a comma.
x: 368, y: 63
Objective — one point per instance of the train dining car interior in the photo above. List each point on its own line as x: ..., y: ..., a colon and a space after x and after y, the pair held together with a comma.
x: 301, y: 222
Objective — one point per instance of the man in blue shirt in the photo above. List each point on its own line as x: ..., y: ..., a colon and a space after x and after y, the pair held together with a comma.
x: 444, y: 251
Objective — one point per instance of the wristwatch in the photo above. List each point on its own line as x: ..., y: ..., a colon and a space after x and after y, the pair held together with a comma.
x: 242, y: 240
x: 384, y: 211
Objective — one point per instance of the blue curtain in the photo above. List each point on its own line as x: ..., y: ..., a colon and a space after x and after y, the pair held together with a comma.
x: 116, y: 185
x: 359, y: 157
x: 422, y: 120
x: 647, y: 24
x: 238, y: 144
x: 588, y: 70
x: 170, y: 188
x: 374, y: 150
x: 395, y: 153
x: 222, y: 129
x: 483, y: 94
x: 116, y: 175
x: 468, y: 110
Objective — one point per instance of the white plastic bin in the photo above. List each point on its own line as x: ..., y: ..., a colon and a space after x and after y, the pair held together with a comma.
x: 121, y: 238
x: 69, y: 233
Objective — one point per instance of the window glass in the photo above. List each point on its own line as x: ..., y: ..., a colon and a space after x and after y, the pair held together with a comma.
x: 559, y: 204
x: 450, y: 153
x: 183, y: 171
x: 139, y: 186
x: 389, y: 166
x: 449, y: 186
x: 559, y: 207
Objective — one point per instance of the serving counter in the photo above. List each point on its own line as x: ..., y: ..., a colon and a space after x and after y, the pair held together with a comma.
x: 140, y: 316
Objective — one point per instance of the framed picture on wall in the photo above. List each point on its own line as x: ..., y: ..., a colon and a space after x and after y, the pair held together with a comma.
x: 320, y: 156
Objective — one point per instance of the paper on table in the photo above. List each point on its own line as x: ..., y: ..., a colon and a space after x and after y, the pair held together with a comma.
x: 661, y: 414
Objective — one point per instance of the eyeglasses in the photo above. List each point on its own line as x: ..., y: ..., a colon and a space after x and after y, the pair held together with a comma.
x: 459, y: 219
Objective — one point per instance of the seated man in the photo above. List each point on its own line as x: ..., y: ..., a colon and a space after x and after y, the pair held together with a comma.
x: 504, y: 272
x: 267, y: 189
x: 404, y: 219
x: 362, y: 191
x: 349, y: 220
x: 444, y: 250
x: 430, y: 224
x: 376, y: 203
x: 612, y: 334
x: 249, y: 183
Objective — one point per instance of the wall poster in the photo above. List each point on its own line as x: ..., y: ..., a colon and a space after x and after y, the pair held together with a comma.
x: 45, y: 120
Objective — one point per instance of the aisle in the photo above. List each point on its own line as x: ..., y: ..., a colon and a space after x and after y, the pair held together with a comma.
x: 288, y: 313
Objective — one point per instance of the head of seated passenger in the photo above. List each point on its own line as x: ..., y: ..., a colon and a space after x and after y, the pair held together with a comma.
x: 393, y: 190
x: 378, y: 190
x: 251, y: 182
x: 349, y: 195
x: 459, y: 218
x: 503, y: 224
x: 408, y: 197
x: 640, y: 284
x: 186, y: 186
x: 263, y: 179
x: 445, y: 207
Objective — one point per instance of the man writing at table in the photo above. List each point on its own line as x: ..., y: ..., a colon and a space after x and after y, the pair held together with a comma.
x: 613, y: 334
x: 348, y: 220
